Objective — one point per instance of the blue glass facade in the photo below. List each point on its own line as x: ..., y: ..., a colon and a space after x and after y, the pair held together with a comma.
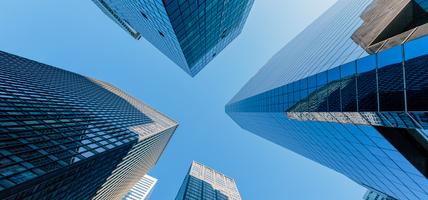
x: 66, y: 136
x: 352, y: 103
x: 189, y: 32
x: 423, y: 4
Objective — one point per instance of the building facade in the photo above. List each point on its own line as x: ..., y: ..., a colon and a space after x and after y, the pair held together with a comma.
x: 375, y: 195
x: 191, y: 33
x: 204, y: 183
x: 67, y: 136
x: 349, y: 92
x: 141, y: 190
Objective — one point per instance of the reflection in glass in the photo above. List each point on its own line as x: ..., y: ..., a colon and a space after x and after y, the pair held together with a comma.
x: 416, y: 65
x: 367, y: 84
x: 391, y: 83
x: 348, y: 88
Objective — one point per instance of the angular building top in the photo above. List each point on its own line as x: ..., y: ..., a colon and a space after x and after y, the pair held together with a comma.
x: 190, y: 33
x: 349, y: 92
x: 203, y: 182
x: 375, y: 195
x: 66, y: 136
x: 142, y: 190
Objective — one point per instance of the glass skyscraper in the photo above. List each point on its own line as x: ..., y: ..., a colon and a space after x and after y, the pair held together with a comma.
x: 67, y: 136
x: 350, y: 92
x: 204, y: 183
x: 375, y: 195
x: 191, y: 33
x: 142, y: 190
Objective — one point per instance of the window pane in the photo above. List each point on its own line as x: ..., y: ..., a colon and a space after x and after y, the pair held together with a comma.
x: 321, y: 97
x: 334, y: 90
x: 391, y: 83
x: 416, y: 65
x: 367, y: 89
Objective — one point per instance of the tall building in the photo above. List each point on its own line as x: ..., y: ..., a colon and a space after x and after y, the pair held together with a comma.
x: 141, y: 190
x: 204, y: 183
x: 375, y: 195
x: 350, y: 92
x: 191, y: 33
x: 67, y: 136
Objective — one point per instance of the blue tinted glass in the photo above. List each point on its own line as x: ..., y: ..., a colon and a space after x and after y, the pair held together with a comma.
x: 290, y: 88
x: 304, y: 93
x: 349, y: 94
x: 366, y: 64
x: 391, y: 81
x: 416, y: 65
x: 390, y: 56
x: 296, y: 86
x: 312, y: 81
x: 416, y: 48
x: 367, y: 84
x: 296, y: 95
x: 334, y: 90
x: 334, y: 74
x: 285, y: 89
x: 304, y: 84
x: 348, y: 69
x: 321, y: 79
x: 321, y: 101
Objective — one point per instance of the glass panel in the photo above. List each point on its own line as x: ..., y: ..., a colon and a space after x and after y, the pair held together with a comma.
x: 366, y: 64
x: 348, y: 69
x: 304, y: 84
x: 321, y: 79
x: 312, y: 100
x: 348, y: 88
x: 333, y: 74
x: 334, y: 90
x: 367, y: 89
x: 391, y: 83
x: 416, y: 63
x: 321, y: 94
x: 312, y: 82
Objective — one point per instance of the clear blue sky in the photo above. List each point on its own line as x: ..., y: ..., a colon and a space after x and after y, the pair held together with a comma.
x: 76, y: 36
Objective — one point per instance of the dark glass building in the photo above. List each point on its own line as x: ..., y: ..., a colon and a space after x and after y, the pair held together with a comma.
x: 191, y: 33
x: 204, y: 183
x: 66, y: 136
x: 350, y: 92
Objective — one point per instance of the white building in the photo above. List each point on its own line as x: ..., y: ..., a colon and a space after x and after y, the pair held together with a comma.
x: 142, y: 190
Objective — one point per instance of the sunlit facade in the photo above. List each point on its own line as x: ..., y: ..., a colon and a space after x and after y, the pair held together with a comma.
x: 204, y: 183
x: 350, y: 92
x: 142, y: 190
x: 190, y: 33
x: 67, y: 136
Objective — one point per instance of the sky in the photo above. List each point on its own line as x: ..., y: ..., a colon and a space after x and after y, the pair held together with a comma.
x: 75, y: 35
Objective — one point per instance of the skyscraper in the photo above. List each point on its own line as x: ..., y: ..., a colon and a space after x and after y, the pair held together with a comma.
x: 141, y: 190
x: 191, y: 33
x: 350, y: 92
x: 374, y: 195
x: 204, y: 183
x: 67, y: 136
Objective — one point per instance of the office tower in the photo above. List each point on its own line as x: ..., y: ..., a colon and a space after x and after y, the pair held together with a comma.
x: 142, y: 190
x: 191, y: 33
x: 375, y: 195
x: 350, y: 92
x: 204, y: 183
x: 67, y: 136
